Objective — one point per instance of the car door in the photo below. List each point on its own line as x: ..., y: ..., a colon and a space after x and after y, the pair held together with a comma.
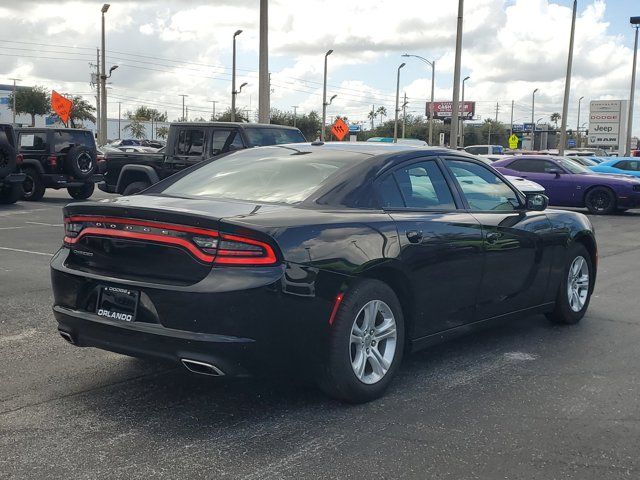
x: 440, y: 244
x: 189, y: 148
x: 516, y: 265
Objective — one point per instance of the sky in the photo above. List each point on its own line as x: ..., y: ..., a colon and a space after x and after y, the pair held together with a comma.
x: 165, y: 49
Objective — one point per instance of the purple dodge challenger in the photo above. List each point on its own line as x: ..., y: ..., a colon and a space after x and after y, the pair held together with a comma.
x: 569, y: 184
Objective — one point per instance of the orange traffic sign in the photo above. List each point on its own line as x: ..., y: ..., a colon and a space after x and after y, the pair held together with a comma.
x: 61, y: 105
x: 340, y: 129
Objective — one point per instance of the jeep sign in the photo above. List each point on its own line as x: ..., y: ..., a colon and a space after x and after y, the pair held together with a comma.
x: 607, y: 123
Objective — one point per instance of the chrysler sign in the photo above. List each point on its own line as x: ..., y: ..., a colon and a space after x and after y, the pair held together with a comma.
x: 607, y: 123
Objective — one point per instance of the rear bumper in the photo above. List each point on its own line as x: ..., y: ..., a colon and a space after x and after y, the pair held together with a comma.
x: 63, y: 181
x: 232, y: 355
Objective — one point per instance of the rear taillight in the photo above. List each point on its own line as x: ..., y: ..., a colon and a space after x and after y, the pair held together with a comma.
x: 100, y: 159
x: 52, y: 160
x: 19, y: 159
x: 209, y: 246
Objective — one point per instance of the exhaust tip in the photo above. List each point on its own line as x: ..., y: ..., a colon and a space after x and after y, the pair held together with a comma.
x: 67, y: 336
x: 201, y: 368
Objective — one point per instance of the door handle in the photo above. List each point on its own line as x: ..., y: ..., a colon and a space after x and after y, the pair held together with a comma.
x: 414, y: 236
x: 493, y: 237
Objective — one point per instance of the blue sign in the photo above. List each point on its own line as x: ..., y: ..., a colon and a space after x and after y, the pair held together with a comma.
x: 518, y: 127
x: 571, y: 143
x: 528, y: 127
x: 4, y: 101
x: 355, y: 128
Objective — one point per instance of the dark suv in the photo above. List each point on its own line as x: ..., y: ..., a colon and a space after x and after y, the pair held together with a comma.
x: 10, y: 177
x: 59, y: 158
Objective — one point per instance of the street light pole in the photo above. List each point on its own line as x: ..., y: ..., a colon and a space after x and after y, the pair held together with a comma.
x: 183, y: 116
x: 295, y: 108
x: 432, y: 64
x: 578, y: 123
x: 634, y: 21
x: 453, y: 135
x: 213, y: 110
x: 103, y: 83
x: 263, y: 67
x: 463, y: 114
x: 567, y: 83
x: 324, y: 96
x: 533, y: 124
x: 14, y: 99
x: 233, y: 78
x: 395, y: 124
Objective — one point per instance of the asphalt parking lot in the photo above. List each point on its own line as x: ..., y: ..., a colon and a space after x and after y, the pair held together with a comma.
x: 524, y: 400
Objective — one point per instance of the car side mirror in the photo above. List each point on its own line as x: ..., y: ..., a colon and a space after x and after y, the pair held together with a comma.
x: 537, y: 202
x: 554, y: 171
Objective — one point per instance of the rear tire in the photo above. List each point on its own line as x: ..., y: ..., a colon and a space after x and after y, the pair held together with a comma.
x: 600, y: 201
x: 135, y: 187
x: 83, y: 192
x: 81, y: 161
x: 573, y: 295
x: 7, y: 159
x: 33, y: 187
x: 11, y: 194
x: 366, y: 343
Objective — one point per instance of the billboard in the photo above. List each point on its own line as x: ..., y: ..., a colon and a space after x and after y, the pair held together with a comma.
x: 608, y: 123
x: 442, y: 110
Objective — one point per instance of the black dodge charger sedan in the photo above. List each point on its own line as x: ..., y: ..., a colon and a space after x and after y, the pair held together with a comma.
x: 328, y: 261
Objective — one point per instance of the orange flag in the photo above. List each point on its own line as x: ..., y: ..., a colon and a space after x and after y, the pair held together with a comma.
x: 61, y: 105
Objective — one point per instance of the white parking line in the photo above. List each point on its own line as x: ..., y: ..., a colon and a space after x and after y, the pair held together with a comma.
x: 25, y: 251
x: 9, y: 228
x: 46, y: 224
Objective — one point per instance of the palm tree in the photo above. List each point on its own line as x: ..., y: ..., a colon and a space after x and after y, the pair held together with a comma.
x: 382, y: 111
x: 372, y: 116
x: 555, y: 117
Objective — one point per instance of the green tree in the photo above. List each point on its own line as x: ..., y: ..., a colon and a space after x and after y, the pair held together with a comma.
x: 226, y: 116
x: 143, y: 113
x: 382, y: 112
x: 372, y: 116
x: 81, y: 111
x: 162, y: 131
x: 136, y: 128
x: 493, y: 133
x: 555, y: 117
x: 33, y: 100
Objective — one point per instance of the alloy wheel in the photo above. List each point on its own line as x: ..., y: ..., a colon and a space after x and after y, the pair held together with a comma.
x: 85, y: 163
x: 578, y: 283
x: 373, y: 342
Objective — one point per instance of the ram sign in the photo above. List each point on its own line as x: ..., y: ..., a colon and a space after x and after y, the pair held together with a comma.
x: 442, y: 110
x: 608, y: 123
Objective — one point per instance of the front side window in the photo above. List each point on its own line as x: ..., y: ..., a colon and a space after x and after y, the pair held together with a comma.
x: 623, y: 165
x: 190, y: 142
x: 263, y: 137
x: 482, y: 188
x: 419, y: 185
x: 531, y: 165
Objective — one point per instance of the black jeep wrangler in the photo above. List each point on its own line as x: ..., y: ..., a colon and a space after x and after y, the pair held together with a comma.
x: 59, y: 158
x: 10, y: 177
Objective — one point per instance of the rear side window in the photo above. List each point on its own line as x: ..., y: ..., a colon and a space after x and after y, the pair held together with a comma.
x: 262, y: 137
x: 224, y: 141
x: 482, y: 188
x: 4, y: 138
x: 419, y: 185
x: 32, y: 141
x: 532, y: 166
x: 623, y: 165
x: 190, y: 143
x: 63, y: 140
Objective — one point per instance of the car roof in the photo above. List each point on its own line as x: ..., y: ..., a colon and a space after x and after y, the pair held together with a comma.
x: 234, y: 124
x: 51, y: 129
x: 372, y: 148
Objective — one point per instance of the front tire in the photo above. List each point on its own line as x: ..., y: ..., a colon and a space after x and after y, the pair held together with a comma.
x: 33, y: 188
x: 576, y: 287
x: 366, y: 343
x: 81, y: 193
x: 600, y: 201
x: 135, y: 187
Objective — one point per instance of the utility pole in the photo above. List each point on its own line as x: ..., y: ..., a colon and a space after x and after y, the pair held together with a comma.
x: 567, y: 83
x: 453, y: 136
x: 636, y: 22
x: 103, y: 83
x: 578, y: 125
x: 213, y: 111
x: 404, y: 113
x: 98, y: 88
x: 263, y: 68
x: 511, y: 129
x: 462, y: 109
x: 183, y: 119
x: 119, y: 130
x: 14, y: 99
x: 497, y: 110
x: 295, y: 107
x: 533, y: 121
x: 186, y: 118
x: 324, y: 96
x: 233, y: 78
x: 395, y: 123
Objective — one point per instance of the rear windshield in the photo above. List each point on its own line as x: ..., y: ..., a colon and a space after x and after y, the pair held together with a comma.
x: 263, y: 137
x: 63, y: 140
x: 278, y: 175
x: 572, y: 165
